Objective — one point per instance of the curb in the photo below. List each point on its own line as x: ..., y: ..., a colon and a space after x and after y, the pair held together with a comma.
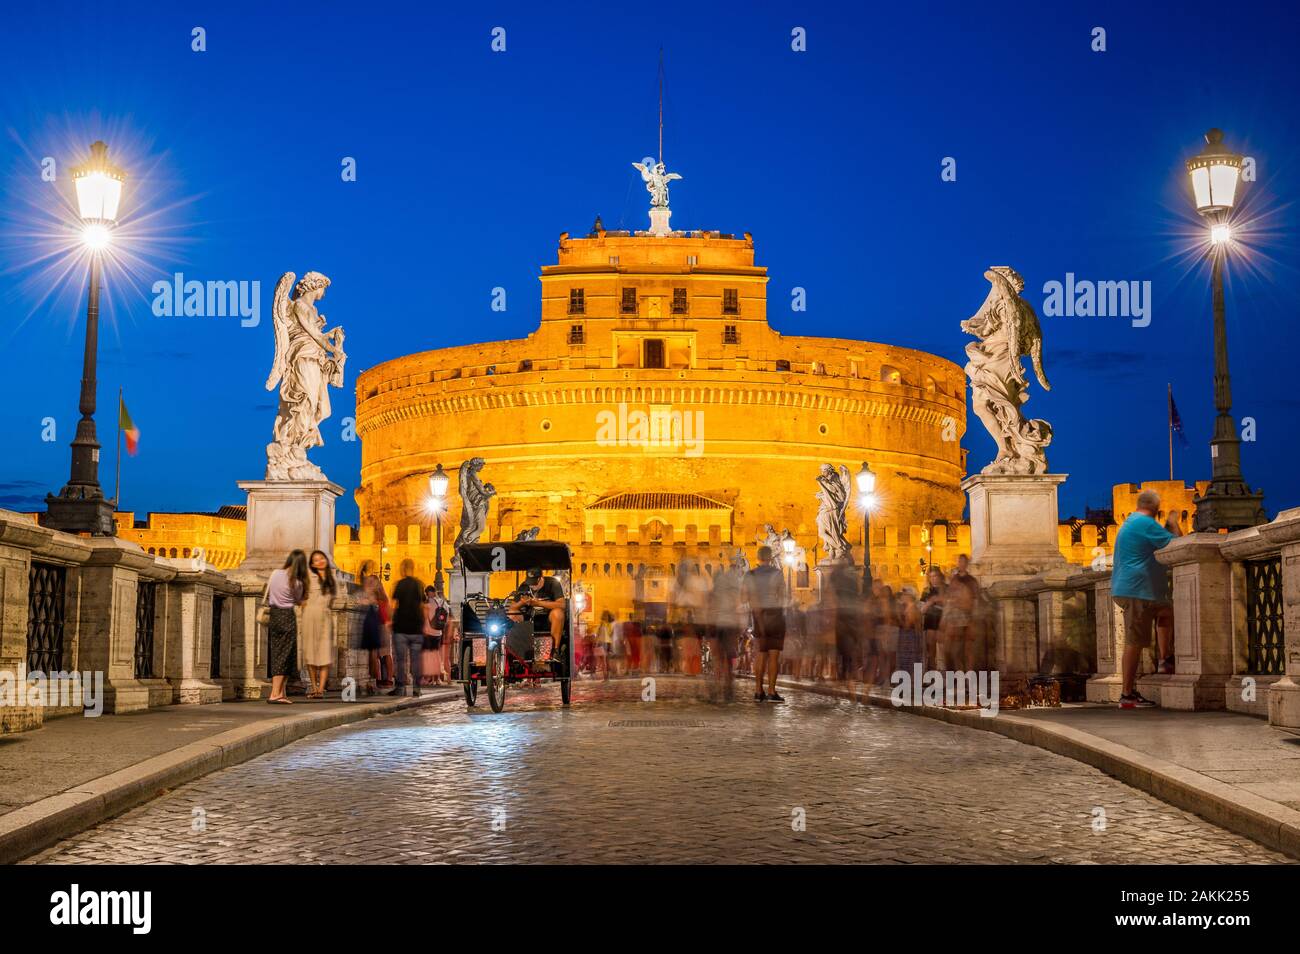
x: 1272, y: 825
x: 34, y: 827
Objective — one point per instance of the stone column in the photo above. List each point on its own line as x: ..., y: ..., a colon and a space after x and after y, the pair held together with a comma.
x: 187, y: 664
x: 286, y: 515
x: 1016, y: 619
x: 1106, y: 685
x: 1013, y: 525
x: 1284, y: 695
x: 245, y: 673
x: 1202, y: 599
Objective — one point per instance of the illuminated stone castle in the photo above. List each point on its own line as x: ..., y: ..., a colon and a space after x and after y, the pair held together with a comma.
x: 654, y: 416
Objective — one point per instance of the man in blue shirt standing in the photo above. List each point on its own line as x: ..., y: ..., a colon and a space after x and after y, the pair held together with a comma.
x: 1139, y: 584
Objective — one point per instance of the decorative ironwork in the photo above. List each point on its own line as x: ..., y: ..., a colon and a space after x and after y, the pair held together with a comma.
x: 46, y: 586
x: 146, y: 601
x: 218, y: 609
x: 1265, y: 629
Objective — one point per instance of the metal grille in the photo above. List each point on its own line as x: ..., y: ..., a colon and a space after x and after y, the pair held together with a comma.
x: 1265, y: 630
x: 657, y: 724
x: 218, y: 609
x: 146, y: 600
x: 46, y: 584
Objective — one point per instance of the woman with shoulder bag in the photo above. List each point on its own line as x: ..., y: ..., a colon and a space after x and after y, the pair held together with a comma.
x: 435, y: 626
x: 285, y: 591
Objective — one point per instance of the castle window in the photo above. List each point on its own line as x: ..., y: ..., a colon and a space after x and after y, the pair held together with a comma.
x: 730, y: 301
x: 692, y: 260
x: 782, y: 365
x: 654, y: 353
x: 577, y: 335
x: 679, y: 301
x: 730, y: 335
x: 490, y: 370
x: 526, y: 364
x: 890, y: 375
x: 577, y: 301
x: 628, y: 305
x: 613, y: 260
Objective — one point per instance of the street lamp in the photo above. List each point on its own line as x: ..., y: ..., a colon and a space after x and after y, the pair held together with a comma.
x: 80, y: 506
x: 788, y: 546
x: 438, y: 481
x: 1228, y: 503
x: 866, y: 479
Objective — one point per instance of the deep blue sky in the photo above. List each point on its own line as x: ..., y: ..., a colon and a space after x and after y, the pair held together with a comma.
x: 470, y: 164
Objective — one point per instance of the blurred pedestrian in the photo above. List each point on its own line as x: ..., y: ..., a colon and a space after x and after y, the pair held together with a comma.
x: 1138, y: 585
x: 727, y: 619
x: 316, y: 623
x: 911, y: 640
x: 887, y: 632
x: 932, y: 616
x: 436, y: 614
x: 846, y: 598
x: 960, y: 619
x: 603, y: 643
x: 285, y: 591
x: 408, y: 629
x: 381, y: 652
x: 765, y: 592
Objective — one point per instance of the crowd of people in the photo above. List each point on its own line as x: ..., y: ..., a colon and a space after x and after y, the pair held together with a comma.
x: 742, y: 621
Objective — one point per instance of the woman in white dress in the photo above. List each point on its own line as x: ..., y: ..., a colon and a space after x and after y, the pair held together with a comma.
x: 316, y: 625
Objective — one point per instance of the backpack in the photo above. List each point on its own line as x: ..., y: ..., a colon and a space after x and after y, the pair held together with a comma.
x: 440, y: 618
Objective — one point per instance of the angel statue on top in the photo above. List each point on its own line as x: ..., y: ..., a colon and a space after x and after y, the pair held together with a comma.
x: 656, y: 180
x: 308, y: 361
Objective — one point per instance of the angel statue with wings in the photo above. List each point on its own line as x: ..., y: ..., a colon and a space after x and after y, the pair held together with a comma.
x: 656, y: 181
x: 308, y: 360
x: 832, y: 503
x: 1007, y: 329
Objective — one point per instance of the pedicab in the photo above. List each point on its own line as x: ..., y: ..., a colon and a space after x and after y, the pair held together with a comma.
x: 494, y: 651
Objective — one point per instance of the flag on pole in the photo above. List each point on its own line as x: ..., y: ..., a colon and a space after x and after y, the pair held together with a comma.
x: 1176, y: 422
x: 129, y: 430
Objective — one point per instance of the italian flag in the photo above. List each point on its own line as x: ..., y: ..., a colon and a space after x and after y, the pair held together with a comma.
x: 129, y: 430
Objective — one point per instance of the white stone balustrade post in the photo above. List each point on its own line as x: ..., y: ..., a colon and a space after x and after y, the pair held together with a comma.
x: 1202, y: 599
x: 1284, y: 695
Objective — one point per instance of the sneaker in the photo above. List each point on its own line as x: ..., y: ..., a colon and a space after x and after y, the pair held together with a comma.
x: 1135, y: 700
x: 775, y: 697
x: 760, y: 697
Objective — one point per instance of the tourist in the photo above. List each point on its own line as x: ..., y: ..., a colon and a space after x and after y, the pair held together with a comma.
x: 1138, y: 585
x: 692, y: 596
x: 846, y: 598
x: 408, y: 629
x: 873, y: 663
x: 911, y: 640
x: 960, y: 616
x: 1165, y: 612
x: 765, y: 592
x: 285, y: 590
x: 436, y: 614
x: 377, y: 637
x: 631, y: 631
x: 887, y: 633
x: 727, y: 618
x: 932, y: 616
x: 316, y: 624
x: 602, y: 646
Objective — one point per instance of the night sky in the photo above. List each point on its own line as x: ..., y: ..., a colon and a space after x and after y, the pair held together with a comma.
x: 470, y: 163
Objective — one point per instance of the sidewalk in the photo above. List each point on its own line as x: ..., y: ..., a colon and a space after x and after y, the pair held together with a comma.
x: 75, y: 772
x: 1231, y: 769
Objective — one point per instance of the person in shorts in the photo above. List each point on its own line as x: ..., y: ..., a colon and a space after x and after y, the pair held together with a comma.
x: 765, y: 593
x: 959, y: 615
x: 1139, y: 585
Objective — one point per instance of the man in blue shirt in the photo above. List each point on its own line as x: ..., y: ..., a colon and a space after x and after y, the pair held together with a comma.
x: 1139, y: 584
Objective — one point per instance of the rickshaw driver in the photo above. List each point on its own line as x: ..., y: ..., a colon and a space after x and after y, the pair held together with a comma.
x: 540, y: 596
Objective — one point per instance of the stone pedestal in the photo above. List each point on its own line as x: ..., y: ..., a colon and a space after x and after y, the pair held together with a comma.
x: 286, y: 515
x: 659, y: 222
x: 1013, y: 525
x: 1202, y: 599
x: 1284, y: 695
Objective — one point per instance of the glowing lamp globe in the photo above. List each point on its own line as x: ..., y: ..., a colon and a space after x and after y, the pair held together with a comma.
x: 866, y: 479
x: 98, y: 184
x: 1215, y: 172
x: 438, y: 481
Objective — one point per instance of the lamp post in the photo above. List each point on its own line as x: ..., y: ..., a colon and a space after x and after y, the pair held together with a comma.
x: 866, y: 479
x: 1229, y: 503
x: 438, y: 481
x: 788, y: 546
x: 80, y: 506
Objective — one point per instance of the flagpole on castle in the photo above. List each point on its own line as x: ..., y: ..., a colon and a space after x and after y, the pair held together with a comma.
x: 1171, y: 430
x: 117, y: 480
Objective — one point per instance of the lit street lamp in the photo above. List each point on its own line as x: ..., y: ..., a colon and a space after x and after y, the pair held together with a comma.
x: 80, y: 506
x: 1229, y: 503
x: 788, y: 546
x: 866, y: 479
x: 438, y: 481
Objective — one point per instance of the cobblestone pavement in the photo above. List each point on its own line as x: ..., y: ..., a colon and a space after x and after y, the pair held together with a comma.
x: 614, y: 779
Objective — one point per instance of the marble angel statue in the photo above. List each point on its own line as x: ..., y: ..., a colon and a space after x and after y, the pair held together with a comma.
x: 475, y: 496
x: 1007, y: 329
x: 308, y: 361
x: 832, y: 503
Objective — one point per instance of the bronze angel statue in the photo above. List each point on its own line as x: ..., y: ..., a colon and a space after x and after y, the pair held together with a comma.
x: 1007, y: 329
x: 656, y: 181
x: 308, y: 361
x: 832, y: 504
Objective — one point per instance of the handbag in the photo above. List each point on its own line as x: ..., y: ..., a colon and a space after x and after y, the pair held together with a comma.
x: 264, y: 611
